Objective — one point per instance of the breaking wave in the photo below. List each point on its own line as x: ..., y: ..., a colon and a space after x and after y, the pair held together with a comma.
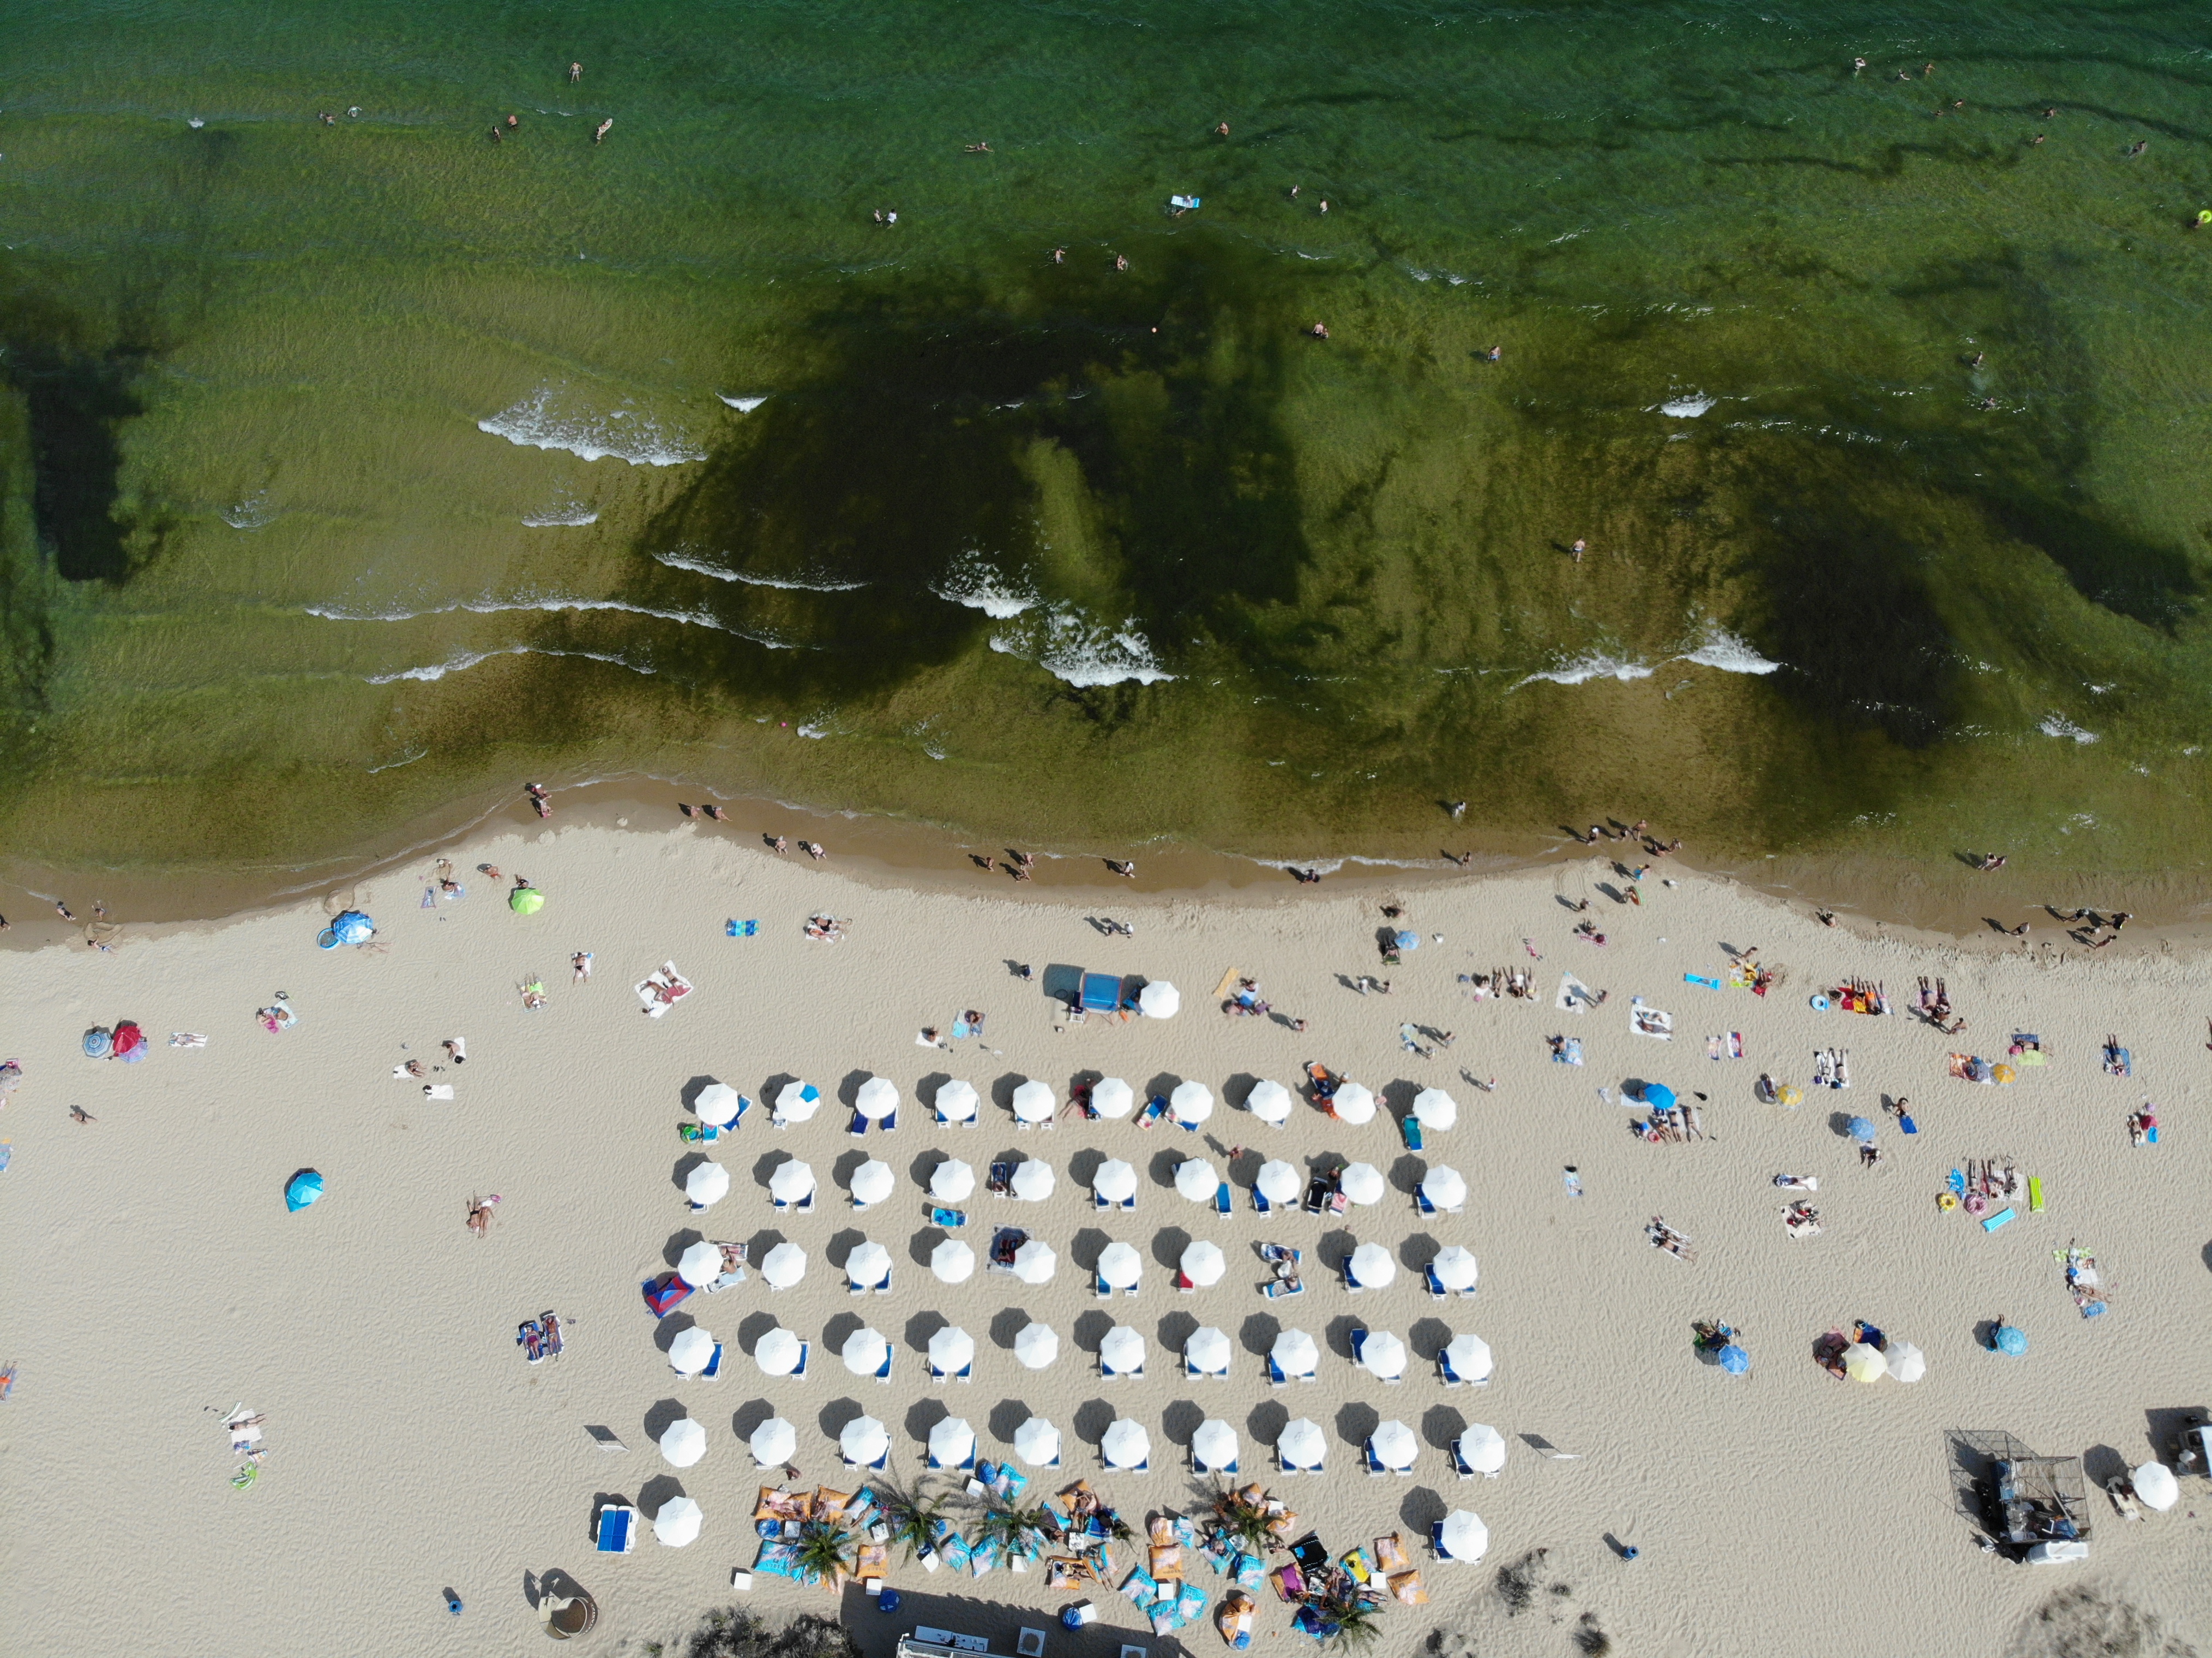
x: 468, y: 659
x: 743, y: 405
x: 569, y: 515
x: 1594, y: 666
x: 1072, y: 648
x: 1730, y: 654
x: 1690, y: 407
x: 982, y: 586
x: 623, y: 434
x: 2058, y: 725
x: 822, y: 582
x: 498, y: 606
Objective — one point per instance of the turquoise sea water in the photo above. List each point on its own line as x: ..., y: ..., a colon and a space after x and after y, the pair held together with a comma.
x: 348, y: 466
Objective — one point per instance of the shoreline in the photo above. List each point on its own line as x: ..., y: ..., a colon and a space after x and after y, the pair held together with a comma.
x: 1937, y: 902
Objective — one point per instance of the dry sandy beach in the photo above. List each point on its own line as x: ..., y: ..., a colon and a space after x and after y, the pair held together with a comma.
x: 156, y: 1279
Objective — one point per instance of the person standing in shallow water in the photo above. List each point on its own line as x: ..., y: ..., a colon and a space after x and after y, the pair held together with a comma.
x: 575, y: 73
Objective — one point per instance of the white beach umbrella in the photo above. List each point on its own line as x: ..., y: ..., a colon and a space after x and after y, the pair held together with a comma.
x: 1121, y: 1350
x: 878, y: 1098
x: 1270, y: 1101
x: 951, y: 1441
x: 678, y: 1523
x: 793, y: 1105
x: 1112, y: 1097
x: 951, y: 1349
x: 1280, y: 1181
x: 1120, y: 1265
x: 1033, y: 1182
x: 956, y: 1101
x: 683, y: 1443
x: 1464, y: 1535
x: 1159, y: 1000
x: 1436, y: 1109
x: 1372, y: 1266
x: 1352, y: 1104
x: 1295, y: 1353
x: 1037, y: 1345
x: 2155, y: 1486
x: 700, y: 1263
x: 1383, y: 1355
x: 1191, y: 1102
x: 707, y: 1184
x: 1862, y: 1363
x: 1394, y: 1445
x: 1213, y: 1444
x: 1207, y: 1349
x: 1456, y: 1267
x: 1034, y: 1262
x: 863, y: 1440
x: 773, y: 1441
x: 784, y: 1265
x: 1196, y: 1180
x: 1033, y: 1103
x: 953, y: 1262
x: 1482, y: 1447
x: 792, y: 1182
x: 777, y: 1353
x: 873, y: 1182
x: 691, y: 1351
x: 867, y: 1265
x: 1906, y: 1362
x: 1361, y: 1182
x: 717, y: 1104
x: 1301, y: 1444
x: 1115, y: 1181
x: 952, y: 1180
x: 1126, y: 1445
x: 1469, y: 1357
x: 1203, y: 1263
x: 1037, y: 1441
x: 865, y: 1352
x: 1442, y: 1186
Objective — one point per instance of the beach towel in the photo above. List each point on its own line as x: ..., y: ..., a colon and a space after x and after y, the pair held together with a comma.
x: 1645, y: 1020
x: 1140, y: 1586
x: 1248, y: 1571
x: 1704, y: 979
x: 983, y: 1556
x: 1390, y: 1553
x: 1405, y: 1586
x: 1569, y: 1052
x: 1574, y: 996
x: 1164, y: 1560
x: 662, y: 990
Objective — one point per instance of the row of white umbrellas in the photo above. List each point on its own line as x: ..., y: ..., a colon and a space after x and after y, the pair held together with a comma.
x: 1034, y: 1102
x: 1120, y: 1351
x: 952, y: 1181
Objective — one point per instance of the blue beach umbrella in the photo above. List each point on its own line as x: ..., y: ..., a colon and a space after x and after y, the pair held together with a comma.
x: 1659, y: 1097
x: 1734, y: 1360
x: 2011, y: 1339
x: 1862, y: 1131
x: 353, y: 928
x: 303, y: 1189
x: 1409, y: 941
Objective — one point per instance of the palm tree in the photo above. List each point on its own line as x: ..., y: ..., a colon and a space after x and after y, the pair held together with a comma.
x: 1249, y: 1525
x: 825, y: 1550
x: 1005, y: 1524
x: 1357, y: 1626
x: 911, y: 1512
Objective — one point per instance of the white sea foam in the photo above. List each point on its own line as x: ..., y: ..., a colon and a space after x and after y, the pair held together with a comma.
x: 1595, y: 665
x: 569, y: 514
x: 743, y: 405
x: 2058, y: 725
x: 981, y: 585
x: 1070, y: 646
x: 467, y: 659
x: 251, y: 513
x: 538, y: 423
x: 1730, y: 654
x: 820, y: 583
x: 500, y: 607
x: 1690, y: 407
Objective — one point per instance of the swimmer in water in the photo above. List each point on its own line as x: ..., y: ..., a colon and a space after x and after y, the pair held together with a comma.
x: 1121, y: 262
x: 1221, y: 131
x: 605, y: 127
x: 1857, y: 63
x: 1496, y: 353
x: 1059, y: 256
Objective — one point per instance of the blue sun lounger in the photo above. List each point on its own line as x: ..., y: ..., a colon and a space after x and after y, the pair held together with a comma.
x: 618, y: 1529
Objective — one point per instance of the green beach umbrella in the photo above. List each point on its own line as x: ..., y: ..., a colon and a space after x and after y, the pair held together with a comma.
x: 526, y: 901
